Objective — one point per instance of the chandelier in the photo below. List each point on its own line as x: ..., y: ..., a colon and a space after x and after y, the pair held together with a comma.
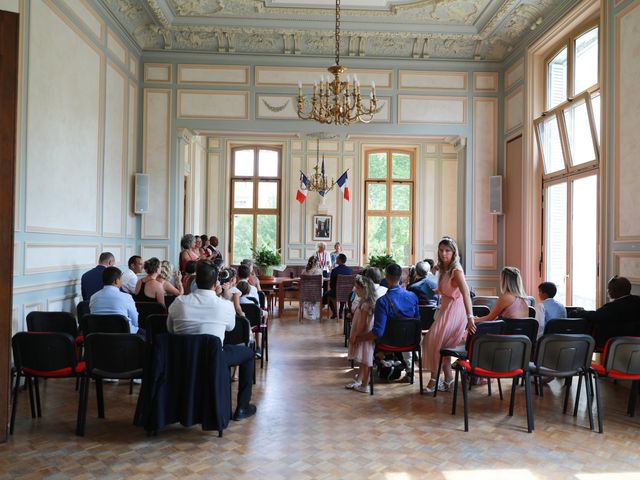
x: 337, y: 101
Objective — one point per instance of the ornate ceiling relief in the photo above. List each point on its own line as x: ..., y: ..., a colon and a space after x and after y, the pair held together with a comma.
x: 475, y: 29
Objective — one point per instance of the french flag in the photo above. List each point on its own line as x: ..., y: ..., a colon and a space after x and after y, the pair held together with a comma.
x: 301, y: 196
x: 344, y: 185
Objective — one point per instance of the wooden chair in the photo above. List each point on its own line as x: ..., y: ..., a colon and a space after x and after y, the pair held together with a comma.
x: 344, y: 287
x: 310, y: 290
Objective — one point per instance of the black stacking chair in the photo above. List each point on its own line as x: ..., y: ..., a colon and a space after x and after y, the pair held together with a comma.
x: 154, y: 325
x: 42, y: 355
x: 61, y: 322
x: 496, y: 356
x: 566, y: 356
x: 427, y: 316
x: 579, y: 326
x: 148, y: 308
x: 532, y: 312
x: 93, y: 323
x: 108, y: 355
x: 402, y: 335
x: 461, y: 352
x: 254, y: 315
x: 82, y: 309
x: 240, y: 335
x: 481, y: 310
x: 522, y: 326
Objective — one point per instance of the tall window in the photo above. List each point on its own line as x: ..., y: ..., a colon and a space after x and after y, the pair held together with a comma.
x: 389, y: 204
x: 255, y: 200
x: 568, y: 137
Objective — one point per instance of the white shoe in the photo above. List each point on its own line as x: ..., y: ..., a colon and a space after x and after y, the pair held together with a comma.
x: 441, y: 387
x: 362, y: 389
x: 353, y: 385
x: 110, y: 380
x: 137, y: 381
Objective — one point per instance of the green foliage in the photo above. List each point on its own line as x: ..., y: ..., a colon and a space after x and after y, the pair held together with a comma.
x: 380, y: 261
x: 266, y: 256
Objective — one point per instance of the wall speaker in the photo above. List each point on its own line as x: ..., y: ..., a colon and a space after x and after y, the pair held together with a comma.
x: 495, y: 195
x: 141, y: 204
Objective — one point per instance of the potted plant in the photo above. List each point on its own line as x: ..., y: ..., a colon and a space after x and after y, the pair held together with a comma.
x: 265, y: 259
x: 381, y: 261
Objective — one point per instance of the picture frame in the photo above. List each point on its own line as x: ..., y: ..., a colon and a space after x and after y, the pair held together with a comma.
x: 322, y: 228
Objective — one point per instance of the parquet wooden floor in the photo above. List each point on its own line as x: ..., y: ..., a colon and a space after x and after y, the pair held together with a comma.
x: 308, y: 426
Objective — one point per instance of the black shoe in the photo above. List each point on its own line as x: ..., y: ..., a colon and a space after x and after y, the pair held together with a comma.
x: 333, y: 317
x: 258, y: 353
x: 245, y: 412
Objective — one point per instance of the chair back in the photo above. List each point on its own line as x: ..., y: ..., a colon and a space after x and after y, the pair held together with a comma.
x: 240, y: 334
x: 344, y: 286
x: 154, y: 325
x: 310, y: 288
x: 564, y: 355
x: 252, y: 312
x: 494, y: 327
x: 262, y: 299
x: 44, y: 352
x: 149, y: 308
x: 500, y: 353
x: 62, y: 322
x: 427, y: 316
x: 622, y: 354
x: 481, y: 310
x: 114, y: 355
x: 82, y: 309
x: 521, y: 326
x: 575, y: 312
x: 401, y: 333
x: 532, y: 312
x: 93, y: 323
x: 568, y: 326
x: 485, y: 300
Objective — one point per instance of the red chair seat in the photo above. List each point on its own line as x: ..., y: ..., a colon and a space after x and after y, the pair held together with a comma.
x: 79, y: 339
x: 481, y: 372
x: 63, y: 372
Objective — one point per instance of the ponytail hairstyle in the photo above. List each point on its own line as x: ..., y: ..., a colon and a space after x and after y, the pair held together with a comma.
x: 511, y: 282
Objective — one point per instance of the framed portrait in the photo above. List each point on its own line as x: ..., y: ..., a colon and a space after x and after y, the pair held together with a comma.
x: 322, y: 226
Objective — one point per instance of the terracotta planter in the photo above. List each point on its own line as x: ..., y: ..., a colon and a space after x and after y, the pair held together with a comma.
x: 266, y: 278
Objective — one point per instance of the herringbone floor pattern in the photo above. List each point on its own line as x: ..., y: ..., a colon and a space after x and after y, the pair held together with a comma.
x: 308, y: 426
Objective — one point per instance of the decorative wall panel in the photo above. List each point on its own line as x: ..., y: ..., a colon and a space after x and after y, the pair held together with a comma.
x: 157, y: 72
x: 514, y: 113
x: 295, y: 217
x: 485, y: 126
x: 485, y: 81
x: 65, y: 303
x: 158, y: 251
x: 207, y: 104
x: 283, y: 107
x: 627, y: 140
x: 485, y: 260
x: 64, y: 118
x: 213, y: 74
x: 132, y: 149
x: 449, y: 198
x: 435, y: 110
x: 429, y: 196
x: 51, y: 257
x: 423, y: 80
x: 289, y: 76
x: 514, y: 74
x: 116, y: 47
x: 156, y: 150
x: 87, y: 16
x: 627, y: 264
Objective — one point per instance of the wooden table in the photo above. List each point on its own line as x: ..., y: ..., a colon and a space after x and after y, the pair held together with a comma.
x: 279, y: 284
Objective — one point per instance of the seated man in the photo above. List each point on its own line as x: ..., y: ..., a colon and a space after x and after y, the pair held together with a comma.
x: 339, y: 269
x: 91, y: 281
x: 130, y: 276
x: 548, y: 308
x: 203, y: 312
x: 111, y: 301
x: 423, y: 283
x: 404, y: 302
x: 619, y: 317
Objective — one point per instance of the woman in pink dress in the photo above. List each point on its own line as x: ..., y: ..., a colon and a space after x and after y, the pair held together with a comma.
x: 361, y: 352
x: 452, y: 319
x: 512, y: 302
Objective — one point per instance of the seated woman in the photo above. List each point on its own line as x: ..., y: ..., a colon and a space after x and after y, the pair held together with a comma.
x: 312, y: 310
x: 171, y: 281
x: 512, y: 302
x: 149, y: 288
x: 424, y: 283
x: 187, y: 254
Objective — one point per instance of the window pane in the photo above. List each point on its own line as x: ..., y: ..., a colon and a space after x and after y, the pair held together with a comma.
x: 267, y: 233
x: 242, y: 194
x: 377, y: 165
x: 377, y: 196
x: 583, y: 242
x: 243, y: 163
x: 556, y: 238
x: 595, y: 106
x: 376, y: 236
x: 268, y: 195
x: 268, y: 163
x: 400, y: 235
x: 400, y: 165
x: 401, y: 197
x: 557, y: 79
x: 579, y: 133
x: 242, y: 237
x: 586, y: 63
x: 551, y: 147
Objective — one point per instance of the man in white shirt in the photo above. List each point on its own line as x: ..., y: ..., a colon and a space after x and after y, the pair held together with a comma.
x: 204, y: 312
x: 130, y: 276
x: 111, y: 301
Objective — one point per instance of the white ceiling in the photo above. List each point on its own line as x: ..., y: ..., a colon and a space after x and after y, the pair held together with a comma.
x: 429, y: 29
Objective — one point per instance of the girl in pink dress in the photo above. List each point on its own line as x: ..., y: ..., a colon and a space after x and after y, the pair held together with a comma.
x: 361, y: 352
x: 452, y: 319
